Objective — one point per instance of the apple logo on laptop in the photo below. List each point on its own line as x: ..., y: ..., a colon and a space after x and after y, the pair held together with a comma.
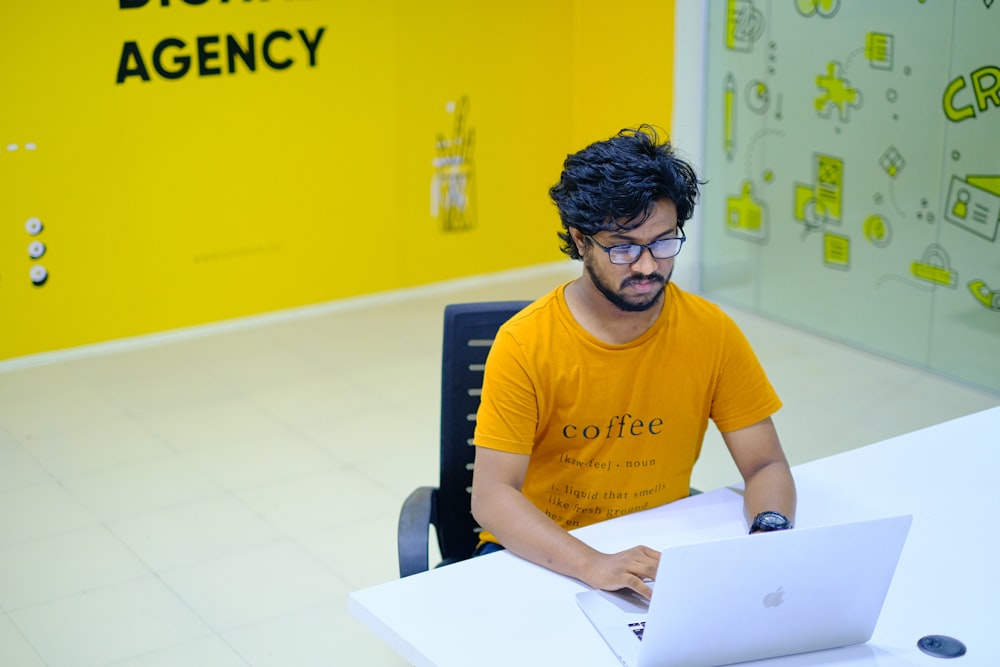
x: 775, y: 598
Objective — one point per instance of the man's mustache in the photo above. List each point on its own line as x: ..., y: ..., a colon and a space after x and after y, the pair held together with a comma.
x: 653, y: 277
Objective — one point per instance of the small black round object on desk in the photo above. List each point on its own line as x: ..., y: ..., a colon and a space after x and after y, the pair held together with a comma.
x: 941, y: 646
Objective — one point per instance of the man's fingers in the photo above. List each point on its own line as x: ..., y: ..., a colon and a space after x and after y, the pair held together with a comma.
x: 630, y: 569
x: 645, y: 562
x: 642, y: 588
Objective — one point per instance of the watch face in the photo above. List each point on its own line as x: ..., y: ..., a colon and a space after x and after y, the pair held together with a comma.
x: 771, y: 521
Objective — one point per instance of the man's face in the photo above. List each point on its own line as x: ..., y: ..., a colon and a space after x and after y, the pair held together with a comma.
x: 637, y: 286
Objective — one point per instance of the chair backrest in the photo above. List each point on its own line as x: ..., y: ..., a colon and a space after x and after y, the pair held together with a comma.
x: 469, y: 330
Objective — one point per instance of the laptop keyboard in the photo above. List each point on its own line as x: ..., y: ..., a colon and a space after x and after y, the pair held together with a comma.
x: 637, y: 628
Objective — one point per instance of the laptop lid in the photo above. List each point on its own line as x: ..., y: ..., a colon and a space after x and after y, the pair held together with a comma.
x: 755, y: 596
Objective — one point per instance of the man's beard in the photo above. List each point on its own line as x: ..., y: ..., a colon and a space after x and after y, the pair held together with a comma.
x: 619, y: 300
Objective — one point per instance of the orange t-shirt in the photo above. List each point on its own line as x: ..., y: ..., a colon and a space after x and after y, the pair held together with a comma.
x: 615, y: 429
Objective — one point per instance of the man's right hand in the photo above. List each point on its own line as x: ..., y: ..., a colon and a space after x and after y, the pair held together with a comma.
x: 631, y: 568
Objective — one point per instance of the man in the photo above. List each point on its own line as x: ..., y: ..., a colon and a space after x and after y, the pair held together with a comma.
x: 597, y: 396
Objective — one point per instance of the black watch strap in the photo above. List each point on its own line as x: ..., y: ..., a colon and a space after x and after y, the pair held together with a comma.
x: 766, y: 522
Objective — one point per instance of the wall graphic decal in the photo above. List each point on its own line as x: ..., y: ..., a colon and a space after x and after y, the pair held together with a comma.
x: 854, y: 176
x: 453, y: 187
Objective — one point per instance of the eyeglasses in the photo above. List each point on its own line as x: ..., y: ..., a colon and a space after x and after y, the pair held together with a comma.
x: 631, y: 252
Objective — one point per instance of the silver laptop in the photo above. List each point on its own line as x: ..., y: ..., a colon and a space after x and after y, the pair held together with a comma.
x: 755, y: 596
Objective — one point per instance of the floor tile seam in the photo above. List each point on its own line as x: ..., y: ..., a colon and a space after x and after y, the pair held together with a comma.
x: 275, y: 536
x: 143, y: 422
x: 7, y: 435
x: 312, y: 606
x: 150, y: 571
x: 235, y: 490
x: 303, y: 431
x: 379, y: 408
x: 221, y: 631
x: 30, y: 644
x: 279, y: 535
x: 356, y: 521
x: 214, y: 632
x: 167, y: 407
x: 188, y: 451
x: 58, y: 483
x: 46, y: 431
x: 137, y: 420
x: 322, y: 444
x: 62, y: 479
x: 98, y: 523
x: 94, y: 590
x: 296, y: 537
x: 25, y: 451
x: 209, y: 631
x: 302, y: 538
x: 319, y: 562
x: 218, y: 493
x: 165, y: 649
x: 310, y: 433
x: 357, y: 468
x: 258, y: 404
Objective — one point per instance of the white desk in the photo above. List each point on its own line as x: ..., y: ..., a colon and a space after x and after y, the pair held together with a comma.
x: 501, y: 610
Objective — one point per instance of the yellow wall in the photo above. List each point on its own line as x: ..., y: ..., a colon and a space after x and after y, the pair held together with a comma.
x: 217, y: 194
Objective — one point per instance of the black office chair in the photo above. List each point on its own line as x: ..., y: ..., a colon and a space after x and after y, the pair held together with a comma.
x: 469, y: 330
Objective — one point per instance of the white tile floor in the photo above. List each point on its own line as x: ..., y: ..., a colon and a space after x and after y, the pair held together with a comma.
x: 211, y: 499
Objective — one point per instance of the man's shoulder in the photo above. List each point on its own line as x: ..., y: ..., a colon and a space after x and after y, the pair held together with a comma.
x: 537, y: 315
x: 689, y: 304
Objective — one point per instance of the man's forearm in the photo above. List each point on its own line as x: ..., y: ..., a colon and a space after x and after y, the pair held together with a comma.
x: 770, y: 489
x: 527, y: 532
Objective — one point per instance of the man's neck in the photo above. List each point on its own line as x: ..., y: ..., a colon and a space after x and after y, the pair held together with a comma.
x: 602, y: 319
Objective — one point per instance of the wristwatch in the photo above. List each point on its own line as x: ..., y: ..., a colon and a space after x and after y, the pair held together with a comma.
x: 765, y: 522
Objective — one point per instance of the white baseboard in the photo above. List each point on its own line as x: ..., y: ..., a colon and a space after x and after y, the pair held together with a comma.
x: 286, y: 315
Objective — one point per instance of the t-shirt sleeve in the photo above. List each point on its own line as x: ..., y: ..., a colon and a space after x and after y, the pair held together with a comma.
x: 508, y: 410
x: 743, y: 395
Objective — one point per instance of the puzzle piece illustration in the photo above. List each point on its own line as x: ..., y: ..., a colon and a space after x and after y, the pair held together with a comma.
x: 746, y: 217
x: 837, y: 93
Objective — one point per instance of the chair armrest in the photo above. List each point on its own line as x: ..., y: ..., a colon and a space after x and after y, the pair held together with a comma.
x: 418, y: 514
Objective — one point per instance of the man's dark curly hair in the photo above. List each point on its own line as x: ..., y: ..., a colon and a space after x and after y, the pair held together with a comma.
x: 614, y: 184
